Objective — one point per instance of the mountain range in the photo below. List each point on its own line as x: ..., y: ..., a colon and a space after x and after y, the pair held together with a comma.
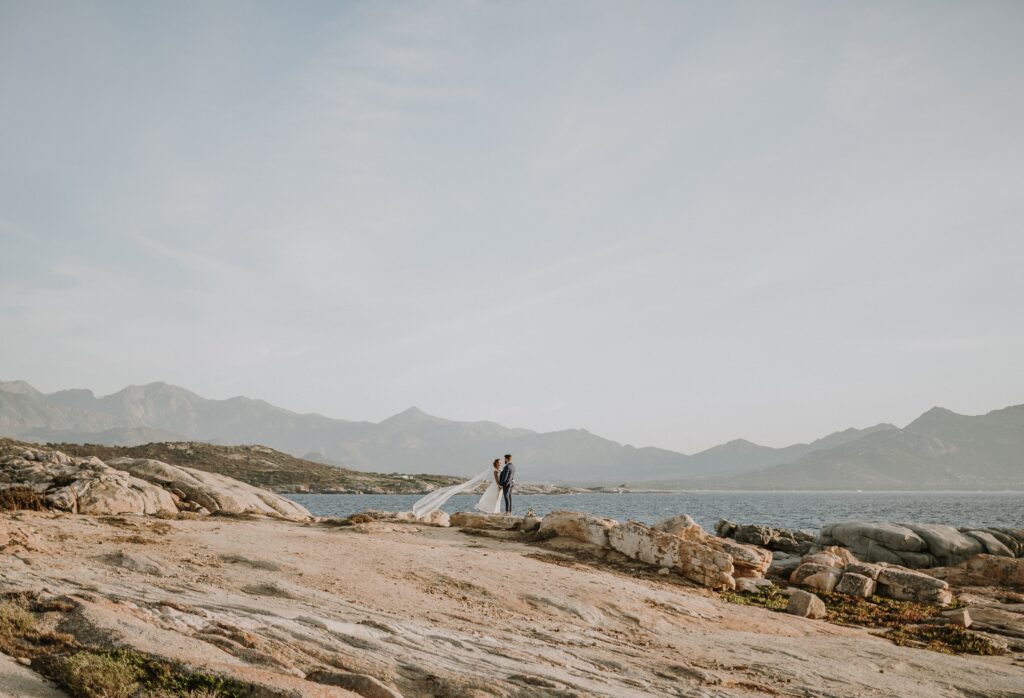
x: 939, y: 450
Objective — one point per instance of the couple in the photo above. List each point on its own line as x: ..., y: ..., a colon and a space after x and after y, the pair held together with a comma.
x: 498, y: 495
x: 497, y: 498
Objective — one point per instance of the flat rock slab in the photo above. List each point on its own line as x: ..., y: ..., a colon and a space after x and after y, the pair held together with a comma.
x: 18, y: 681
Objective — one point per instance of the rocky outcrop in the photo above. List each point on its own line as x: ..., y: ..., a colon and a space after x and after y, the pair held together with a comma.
x: 984, y: 570
x: 691, y: 559
x: 213, y: 492
x: 494, y: 522
x: 921, y: 545
x: 677, y: 544
x: 774, y: 539
x: 834, y: 569
x: 585, y: 528
x: 84, y: 485
x: 137, y: 486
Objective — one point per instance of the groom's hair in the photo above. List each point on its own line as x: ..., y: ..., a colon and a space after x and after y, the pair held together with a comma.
x: 508, y: 456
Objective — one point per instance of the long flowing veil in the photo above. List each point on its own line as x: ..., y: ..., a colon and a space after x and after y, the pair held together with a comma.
x: 437, y: 498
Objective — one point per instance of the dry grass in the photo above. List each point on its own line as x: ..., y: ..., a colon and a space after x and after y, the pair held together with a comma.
x: 20, y: 499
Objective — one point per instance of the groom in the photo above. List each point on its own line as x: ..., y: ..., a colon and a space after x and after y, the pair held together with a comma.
x: 506, y: 480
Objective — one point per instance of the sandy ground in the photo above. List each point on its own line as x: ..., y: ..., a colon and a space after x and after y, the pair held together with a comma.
x: 437, y: 612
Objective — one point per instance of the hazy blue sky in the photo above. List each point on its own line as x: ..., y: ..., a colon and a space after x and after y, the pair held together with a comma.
x: 670, y: 223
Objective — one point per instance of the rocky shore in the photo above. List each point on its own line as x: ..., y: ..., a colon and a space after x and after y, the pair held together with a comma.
x: 105, y: 583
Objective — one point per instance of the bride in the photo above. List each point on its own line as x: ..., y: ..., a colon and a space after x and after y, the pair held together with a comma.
x: 490, y: 502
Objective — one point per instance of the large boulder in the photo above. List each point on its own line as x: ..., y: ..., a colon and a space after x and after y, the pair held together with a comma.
x: 921, y: 545
x: 213, y: 492
x: 585, y: 528
x: 946, y: 544
x: 694, y: 560
x: 875, y: 542
x: 994, y: 542
x: 911, y: 585
x: 749, y: 561
x: 484, y: 522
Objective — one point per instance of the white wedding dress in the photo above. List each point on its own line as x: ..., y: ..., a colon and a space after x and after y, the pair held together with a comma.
x: 490, y: 502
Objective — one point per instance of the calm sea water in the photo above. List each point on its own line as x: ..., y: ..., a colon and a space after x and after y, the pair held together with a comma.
x: 806, y: 510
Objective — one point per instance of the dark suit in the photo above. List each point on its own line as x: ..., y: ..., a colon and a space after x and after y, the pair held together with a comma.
x: 506, y: 480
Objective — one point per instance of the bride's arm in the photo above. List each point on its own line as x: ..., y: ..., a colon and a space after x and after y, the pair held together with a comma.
x: 497, y: 477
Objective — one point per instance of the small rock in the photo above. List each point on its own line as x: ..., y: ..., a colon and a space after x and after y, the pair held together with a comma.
x: 960, y: 616
x: 749, y: 585
x: 24, y: 660
x: 854, y: 584
x: 663, y: 571
x: 806, y: 604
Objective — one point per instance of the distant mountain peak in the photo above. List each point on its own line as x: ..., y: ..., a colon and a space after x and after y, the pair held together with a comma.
x: 413, y: 415
x: 934, y: 416
x: 19, y: 387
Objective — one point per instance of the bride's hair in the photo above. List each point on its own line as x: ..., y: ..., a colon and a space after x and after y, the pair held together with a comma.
x: 496, y: 463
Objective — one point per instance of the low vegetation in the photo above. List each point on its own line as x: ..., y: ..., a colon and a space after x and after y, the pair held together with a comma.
x: 127, y: 674
x: 949, y: 639
x: 20, y: 498
x: 910, y: 623
x: 91, y: 672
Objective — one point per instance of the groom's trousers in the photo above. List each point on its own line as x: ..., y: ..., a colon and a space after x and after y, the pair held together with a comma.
x: 506, y: 499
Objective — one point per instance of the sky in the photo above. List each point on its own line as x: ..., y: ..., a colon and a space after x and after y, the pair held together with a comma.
x: 669, y: 223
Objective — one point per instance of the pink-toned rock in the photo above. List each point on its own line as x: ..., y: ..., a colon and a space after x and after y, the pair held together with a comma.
x: 826, y: 559
x: 585, y: 528
x: 984, y: 570
x: 806, y: 604
x: 748, y: 560
x: 15, y: 538
x: 809, y: 568
x: 693, y: 560
x: 822, y: 581
x: 471, y: 519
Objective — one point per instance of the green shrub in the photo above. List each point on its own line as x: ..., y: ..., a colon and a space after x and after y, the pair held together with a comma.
x: 949, y: 639
x: 100, y: 675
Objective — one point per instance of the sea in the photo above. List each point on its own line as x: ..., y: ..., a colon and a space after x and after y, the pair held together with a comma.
x: 794, y: 510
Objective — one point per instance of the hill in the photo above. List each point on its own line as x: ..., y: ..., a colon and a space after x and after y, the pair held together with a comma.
x: 409, y: 442
x: 940, y: 450
x: 256, y: 465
